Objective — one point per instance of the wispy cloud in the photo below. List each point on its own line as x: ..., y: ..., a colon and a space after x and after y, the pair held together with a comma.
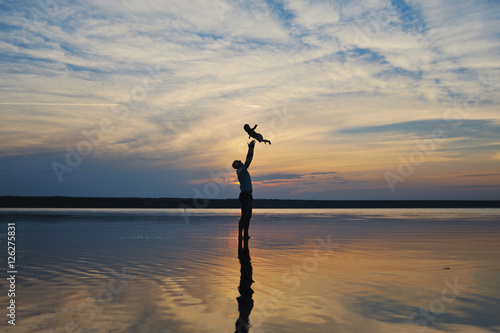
x: 481, y: 175
x: 276, y: 176
x: 453, y: 127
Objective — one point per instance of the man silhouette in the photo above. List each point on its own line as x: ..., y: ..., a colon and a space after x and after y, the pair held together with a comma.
x: 245, y: 191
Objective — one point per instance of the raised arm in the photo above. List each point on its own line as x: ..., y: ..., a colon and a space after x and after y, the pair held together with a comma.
x: 251, y: 146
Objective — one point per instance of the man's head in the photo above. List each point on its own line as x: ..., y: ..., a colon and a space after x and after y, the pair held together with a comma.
x: 237, y: 164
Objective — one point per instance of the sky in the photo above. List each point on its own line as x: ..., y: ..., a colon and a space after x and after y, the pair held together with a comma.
x: 368, y: 99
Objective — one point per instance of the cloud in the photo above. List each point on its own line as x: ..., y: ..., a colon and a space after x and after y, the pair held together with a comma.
x: 191, y: 73
x: 276, y: 176
x: 455, y: 139
x: 453, y: 128
x: 312, y: 14
x: 479, y: 186
x: 481, y: 175
x: 323, y: 173
x: 309, y: 182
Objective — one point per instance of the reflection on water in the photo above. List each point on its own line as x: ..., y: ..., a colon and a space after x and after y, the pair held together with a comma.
x: 330, y: 271
x: 245, y: 301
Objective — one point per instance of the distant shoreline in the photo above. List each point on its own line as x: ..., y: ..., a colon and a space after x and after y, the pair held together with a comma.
x: 130, y: 202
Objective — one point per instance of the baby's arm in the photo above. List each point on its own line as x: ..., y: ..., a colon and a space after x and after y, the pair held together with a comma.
x: 253, y: 129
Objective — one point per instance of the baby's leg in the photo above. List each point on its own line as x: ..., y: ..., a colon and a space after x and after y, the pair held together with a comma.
x: 259, y: 137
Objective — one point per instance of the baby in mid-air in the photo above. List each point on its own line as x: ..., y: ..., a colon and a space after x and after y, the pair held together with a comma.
x: 252, y: 134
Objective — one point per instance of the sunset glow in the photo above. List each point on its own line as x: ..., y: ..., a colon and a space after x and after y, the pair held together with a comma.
x: 361, y: 99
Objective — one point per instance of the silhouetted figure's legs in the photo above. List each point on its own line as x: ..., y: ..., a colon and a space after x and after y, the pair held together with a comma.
x: 260, y: 138
x: 246, y: 214
x: 245, y: 301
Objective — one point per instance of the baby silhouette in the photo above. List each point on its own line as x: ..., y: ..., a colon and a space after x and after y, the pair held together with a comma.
x: 252, y: 134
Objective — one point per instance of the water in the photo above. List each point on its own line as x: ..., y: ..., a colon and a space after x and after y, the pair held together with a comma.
x: 317, y: 270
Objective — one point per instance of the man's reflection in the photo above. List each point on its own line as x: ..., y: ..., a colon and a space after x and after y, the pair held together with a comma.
x: 245, y: 301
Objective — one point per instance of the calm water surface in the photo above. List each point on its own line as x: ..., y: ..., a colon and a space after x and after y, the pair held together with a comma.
x: 339, y: 270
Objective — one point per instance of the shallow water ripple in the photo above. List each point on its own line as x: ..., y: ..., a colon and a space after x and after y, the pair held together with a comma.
x: 314, y: 271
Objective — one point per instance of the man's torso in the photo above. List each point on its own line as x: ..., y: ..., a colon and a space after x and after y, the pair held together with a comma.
x: 244, y: 179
